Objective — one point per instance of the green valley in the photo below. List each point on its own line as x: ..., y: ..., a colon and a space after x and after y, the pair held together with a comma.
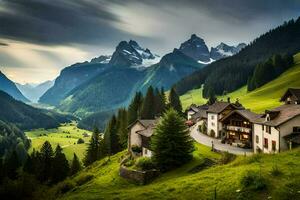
x: 65, y: 135
x: 262, y: 98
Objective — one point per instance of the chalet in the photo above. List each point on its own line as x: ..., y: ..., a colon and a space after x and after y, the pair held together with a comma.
x: 200, y: 116
x: 191, y: 111
x: 217, y: 111
x: 238, y: 127
x: 292, y: 96
x: 139, y: 136
x: 278, y: 129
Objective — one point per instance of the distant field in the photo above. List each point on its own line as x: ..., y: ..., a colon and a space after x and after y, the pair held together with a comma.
x: 263, y: 98
x: 66, y: 136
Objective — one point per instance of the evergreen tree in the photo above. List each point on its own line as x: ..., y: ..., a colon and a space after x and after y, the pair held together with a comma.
x: 46, y: 157
x: 135, y: 107
x: 122, y: 122
x: 93, y: 152
x: 148, y: 108
x: 1, y: 170
x: 75, y: 165
x: 159, y: 103
x: 21, y: 151
x: 171, y: 143
x: 11, y: 165
x: 29, y: 165
x: 212, y: 98
x: 60, y: 165
x: 111, y: 139
x: 174, y: 100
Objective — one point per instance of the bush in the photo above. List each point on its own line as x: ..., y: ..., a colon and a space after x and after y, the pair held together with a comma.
x: 82, y: 179
x: 80, y: 141
x: 136, y: 149
x: 145, y: 163
x: 129, y: 163
x: 253, y: 180
x: 227, y: 158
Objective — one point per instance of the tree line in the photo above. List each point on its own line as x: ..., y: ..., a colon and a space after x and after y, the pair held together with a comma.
x: 115, y: 136
x: 229, y: 74
x: 269, y: 70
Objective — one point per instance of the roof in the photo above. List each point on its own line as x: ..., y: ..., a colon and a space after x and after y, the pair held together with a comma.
x: 286, y: 113
x: 201, y: 114
x: 292, y: 91
x: 219, y: 106
x: 144, y: 122
x: 148, y: 132
x: 193, y: 107
x: 251, y: 116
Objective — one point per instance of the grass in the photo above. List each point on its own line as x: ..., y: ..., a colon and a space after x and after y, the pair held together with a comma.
x: 265, y: 97
x: 182, y: 184
x: 66, y: 136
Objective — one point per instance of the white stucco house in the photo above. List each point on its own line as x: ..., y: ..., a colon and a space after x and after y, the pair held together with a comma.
x: 139, y: 136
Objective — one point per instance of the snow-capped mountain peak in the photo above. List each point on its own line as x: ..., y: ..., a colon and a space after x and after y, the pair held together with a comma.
x: 223, y: 50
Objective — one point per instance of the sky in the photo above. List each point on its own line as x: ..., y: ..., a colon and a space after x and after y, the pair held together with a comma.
x: 38, y: 38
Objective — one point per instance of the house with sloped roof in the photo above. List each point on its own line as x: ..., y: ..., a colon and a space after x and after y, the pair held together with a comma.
x: 278, y: 129
x: 291, y: 96
x: 139, y: 136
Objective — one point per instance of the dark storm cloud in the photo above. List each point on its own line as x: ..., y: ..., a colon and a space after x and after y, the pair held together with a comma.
x: 57, y: 21
x: 92, y: 22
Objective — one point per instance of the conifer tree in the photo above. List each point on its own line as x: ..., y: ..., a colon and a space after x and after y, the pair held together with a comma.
x: 174, y: 100
x: 171, y: 143
x: 46, y: 157
x: 135, y: 107
x: 11, y: 164
x: 60, y: 165
x: 159, y: 103
x: 122, y: 124
x: 111, y: 139
x: 75, y: 165
x: 148, y: 108
x: 93, y: 152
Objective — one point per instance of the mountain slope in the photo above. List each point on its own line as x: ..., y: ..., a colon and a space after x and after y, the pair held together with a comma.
x: 9, y: 87
x: 223, y: 50
x: 189, y: 181
x: 69, y: 78
x: 265, y: 97
x: 27, y: 117
x: 231, y: 73
x: 34, y: 92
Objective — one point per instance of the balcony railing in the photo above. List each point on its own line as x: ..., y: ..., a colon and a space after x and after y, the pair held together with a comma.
x: 238, y: 128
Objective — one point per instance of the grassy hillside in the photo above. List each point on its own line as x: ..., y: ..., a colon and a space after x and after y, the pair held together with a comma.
x: 103, y: 182
x: 65, y: 135
x: 265, y: 97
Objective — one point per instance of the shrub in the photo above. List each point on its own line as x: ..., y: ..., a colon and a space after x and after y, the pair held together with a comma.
x: 129, y: 163
x: 82, y: 179
x: 227, y: 158
x: 253, y: 180
x: 80, y: 141
x: 136, y: 149
x: 275, y: 171
x: 145, y: 163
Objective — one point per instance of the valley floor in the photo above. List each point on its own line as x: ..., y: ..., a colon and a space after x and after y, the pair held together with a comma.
x: 66, y: 136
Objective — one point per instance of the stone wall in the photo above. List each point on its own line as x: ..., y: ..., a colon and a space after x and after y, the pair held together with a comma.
x: 140, y: 177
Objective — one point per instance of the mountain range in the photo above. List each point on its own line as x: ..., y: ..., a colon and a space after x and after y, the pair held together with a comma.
x: 10, y: 87
x: 108, y: 82
x: 34, y: 91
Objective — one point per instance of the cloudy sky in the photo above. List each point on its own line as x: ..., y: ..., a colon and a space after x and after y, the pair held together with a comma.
x: 40, y: 37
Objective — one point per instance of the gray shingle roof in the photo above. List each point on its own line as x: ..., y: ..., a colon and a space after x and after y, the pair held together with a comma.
x: 251, y: 116
x: 219, y: 106
x: 293, y: 91
x: 286, y: 113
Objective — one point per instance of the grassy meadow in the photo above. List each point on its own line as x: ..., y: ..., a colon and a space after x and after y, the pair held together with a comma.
x: 66, y: 136
x: 101, y: 180
x: 265, y: 97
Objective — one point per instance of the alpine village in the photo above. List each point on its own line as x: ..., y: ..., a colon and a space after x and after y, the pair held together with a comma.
x: 195, y: 123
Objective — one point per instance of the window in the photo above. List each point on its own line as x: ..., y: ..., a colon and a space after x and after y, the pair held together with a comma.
x: 257, y: 139
x: 213, y: 124
x: 273, y: 145
x: 146, y: 151
x: 266, y: 142
x: 212, y: 117
x: 262, y: 127
x: 296, y: 129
